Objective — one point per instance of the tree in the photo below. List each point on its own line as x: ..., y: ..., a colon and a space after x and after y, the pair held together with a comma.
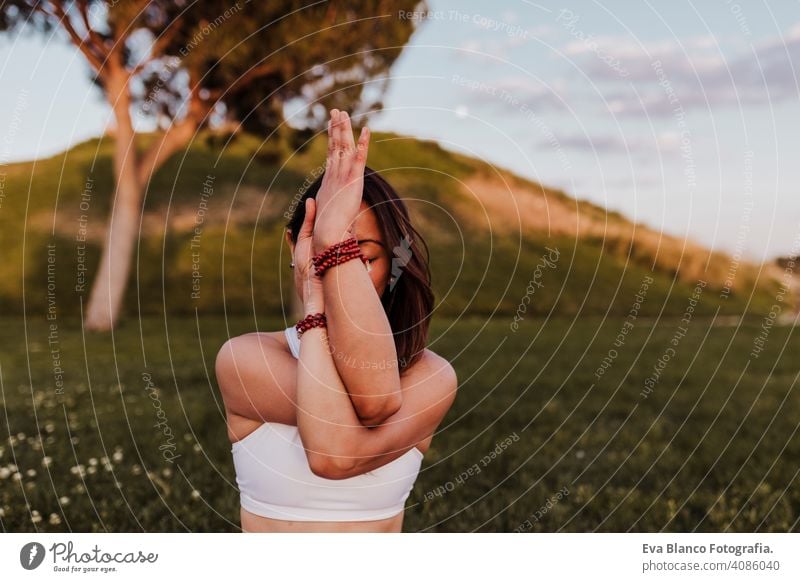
x: 187, y: 64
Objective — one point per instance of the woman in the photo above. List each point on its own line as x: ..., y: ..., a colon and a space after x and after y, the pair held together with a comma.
x: 329, y: 419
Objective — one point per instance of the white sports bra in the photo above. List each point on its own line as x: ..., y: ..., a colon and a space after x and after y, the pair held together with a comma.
x: 275, y: 481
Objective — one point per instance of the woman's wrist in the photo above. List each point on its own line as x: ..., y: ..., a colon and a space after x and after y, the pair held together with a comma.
x: 310, y: 322
x: 312, y: 308
x: 314, y: 301
x: 322, y: 240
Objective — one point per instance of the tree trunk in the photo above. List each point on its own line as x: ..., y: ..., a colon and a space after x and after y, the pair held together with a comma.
x: 132, y: 174
x: 111, y: 279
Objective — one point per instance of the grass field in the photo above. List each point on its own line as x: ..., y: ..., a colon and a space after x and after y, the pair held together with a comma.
x: 535, y: 441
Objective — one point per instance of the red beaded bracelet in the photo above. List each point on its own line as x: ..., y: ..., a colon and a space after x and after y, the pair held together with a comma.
x: 309, y: 321
x: 337, y: 254
x: 347, y: 246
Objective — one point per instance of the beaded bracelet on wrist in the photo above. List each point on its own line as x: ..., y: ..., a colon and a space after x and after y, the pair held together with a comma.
x: 346, y: 246
x: 310, y: 321
x: 337, y: 254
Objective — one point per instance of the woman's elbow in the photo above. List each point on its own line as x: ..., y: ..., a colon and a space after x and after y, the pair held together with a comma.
x: 329, y: 466
x: 375, y: 411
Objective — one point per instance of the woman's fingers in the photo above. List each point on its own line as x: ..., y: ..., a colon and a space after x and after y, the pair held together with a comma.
x: 307, y: 229
x: 331, y: 150
x: 344, y: 142
x: 345, y: 156
x: 333, y: 143
x: 362, y: 149
x: 329, y: 159
x: 337, y: 139
x: 347, y: 133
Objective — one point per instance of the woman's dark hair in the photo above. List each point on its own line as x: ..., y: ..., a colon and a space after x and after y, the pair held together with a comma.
x: 409, y: 303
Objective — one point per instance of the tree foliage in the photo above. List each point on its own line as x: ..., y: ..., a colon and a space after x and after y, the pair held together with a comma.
x: 186, y: 64
x: 239, y: 62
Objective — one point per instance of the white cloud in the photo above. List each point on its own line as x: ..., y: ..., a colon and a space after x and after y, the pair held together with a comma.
x: 697, y: 73
x: 512, y: 92
x: 636, y: 145
x: 509, y: 16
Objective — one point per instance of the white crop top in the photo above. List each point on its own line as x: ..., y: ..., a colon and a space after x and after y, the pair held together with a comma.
x: 275, y: 481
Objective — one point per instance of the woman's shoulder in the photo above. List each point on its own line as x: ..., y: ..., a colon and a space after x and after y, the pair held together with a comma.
x: 433, y: 358
x: 432, y: 364
x: 268, y: 339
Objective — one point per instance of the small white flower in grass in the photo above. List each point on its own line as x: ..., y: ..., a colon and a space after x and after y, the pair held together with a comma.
x: 195, y: 494
x: 20, y: 436
x: 91, y: 470
x: 12, y: 467
x: 167, y: 472
x: 35, y: 517
x: 4, y: 473
x: 50, y: 427
x: 64, y: 500
x: 17, y: 477
x: 2, y: 512
x: 580, y: 454
x: 74, y: 440
x: 117, y: 456
x: 46, y: 461
x: 197, y: 448
x: 93, y: 461
x: 54, y: 519
x: 136, y: 469
x: 31, y: 472
x: 104, y: 460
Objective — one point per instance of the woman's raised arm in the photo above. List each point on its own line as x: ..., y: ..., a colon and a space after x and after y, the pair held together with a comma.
x: 359, y: 335
x: 337, y: 444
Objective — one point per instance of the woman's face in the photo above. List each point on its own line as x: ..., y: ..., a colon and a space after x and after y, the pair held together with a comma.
x: 372, y: 244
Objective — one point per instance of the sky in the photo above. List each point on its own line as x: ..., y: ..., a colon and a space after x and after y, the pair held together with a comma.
x: 682, y: 115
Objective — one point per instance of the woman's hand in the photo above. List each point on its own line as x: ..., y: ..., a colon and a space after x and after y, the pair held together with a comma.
x: 309, y: 283
x: 339, y: 196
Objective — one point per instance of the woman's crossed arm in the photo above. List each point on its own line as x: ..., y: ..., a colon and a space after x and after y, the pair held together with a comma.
x: 336, y: 443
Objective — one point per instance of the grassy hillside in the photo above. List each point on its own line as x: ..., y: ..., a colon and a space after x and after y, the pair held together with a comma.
x: 487, y: 230
x: 709, y: 450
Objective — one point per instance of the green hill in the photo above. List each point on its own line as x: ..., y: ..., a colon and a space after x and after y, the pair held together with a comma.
x: 487, y: 230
